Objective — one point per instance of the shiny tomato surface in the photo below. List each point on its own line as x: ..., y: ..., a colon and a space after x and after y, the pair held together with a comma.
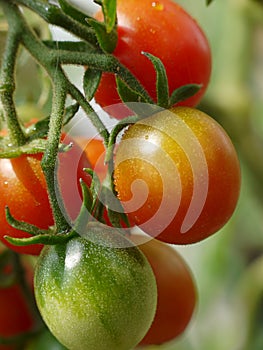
x: 163, y: 29
x: 177, y: 175
x: 23, y: 189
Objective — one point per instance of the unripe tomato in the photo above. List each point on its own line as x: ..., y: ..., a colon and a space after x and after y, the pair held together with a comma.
x: 166, y: 30
x: 96, y: 292
x: 175, y: 288
x: 177, y: 175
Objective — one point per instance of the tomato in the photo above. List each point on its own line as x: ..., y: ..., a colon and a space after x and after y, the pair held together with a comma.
x: 96, y: 292
x: 95, y: 152
x: 177, y: 175
x: 16, y: 316
x: 176, y: 290
x: 166, y: 30
x: 23, y: 189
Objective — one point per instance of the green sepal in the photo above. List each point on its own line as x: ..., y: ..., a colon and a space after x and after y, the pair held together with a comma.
x: 183, y: 92
x: 21, y: 225
x: 109, y: 11
x: 126, y: 93
x: 162, y: 87
x: 118, y: 219
x: 32, y: 147
x: 106, y: 40
x: 87, y: 203
x: 46, y: 239
x: 70, y: 112
x: 38, y: 130
x: 115, y: 132
x: 91, y: 82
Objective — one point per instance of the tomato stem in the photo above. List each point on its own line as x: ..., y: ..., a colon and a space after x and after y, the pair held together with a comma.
x: 7, y: 88
x: 50, y: 157
x: 53, y: 15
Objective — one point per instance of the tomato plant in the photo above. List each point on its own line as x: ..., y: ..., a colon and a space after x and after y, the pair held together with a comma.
x: 176, y: 290
x: 163, y: 29
x: 23, y: 189
x: 95, y: 292
x: 184, y: 175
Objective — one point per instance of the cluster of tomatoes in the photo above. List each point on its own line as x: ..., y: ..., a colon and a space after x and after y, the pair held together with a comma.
x: 177, y: 176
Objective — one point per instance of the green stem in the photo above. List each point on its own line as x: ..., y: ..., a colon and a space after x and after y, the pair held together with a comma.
x: 106, y: 63
x: 53, y: 15
x: 78, y: 96
x: 50, y: 156
x: 7, y: 81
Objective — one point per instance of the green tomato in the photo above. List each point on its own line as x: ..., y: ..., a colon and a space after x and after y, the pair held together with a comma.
x: 96, y: 292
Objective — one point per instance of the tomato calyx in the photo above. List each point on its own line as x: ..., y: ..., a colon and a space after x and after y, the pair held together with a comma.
x: 162, y: 87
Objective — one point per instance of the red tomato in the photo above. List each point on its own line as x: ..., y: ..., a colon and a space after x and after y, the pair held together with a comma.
x: 167, y: 31
x: 175, y: 288
x: 178, y: 175
x: 16, y: 317
x: 23, y: 190
x: 95, y: 152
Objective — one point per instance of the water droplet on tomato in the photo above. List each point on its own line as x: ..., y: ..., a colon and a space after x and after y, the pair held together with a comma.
x: 157, y: 5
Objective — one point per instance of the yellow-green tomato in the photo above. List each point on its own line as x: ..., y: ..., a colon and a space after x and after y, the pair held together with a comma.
x: 96, y: 292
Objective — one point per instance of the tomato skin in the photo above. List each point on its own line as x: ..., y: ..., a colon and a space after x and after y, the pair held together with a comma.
x: 167, y: 31
x: 95, y: 152
x: 176, y: 290
x: 186, y: 167
x: 16, y: 317
x: 23, y: 189
x: 93, y: 294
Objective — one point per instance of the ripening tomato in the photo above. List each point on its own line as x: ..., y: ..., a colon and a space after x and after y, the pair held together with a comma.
x: 97, y: 291
x: 177, y: 175
x: 176, y: 290
x: 23, y: 189
x: 166, y: 30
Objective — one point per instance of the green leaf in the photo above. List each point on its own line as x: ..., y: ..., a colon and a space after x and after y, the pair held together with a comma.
x: 183, y: 92
x: 107, y: 40
x: 208, y: 2
x: 162, y: 87
x: 91, y: 82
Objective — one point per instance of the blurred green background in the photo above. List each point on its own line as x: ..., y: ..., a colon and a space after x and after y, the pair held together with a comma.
x: 228, y: 267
